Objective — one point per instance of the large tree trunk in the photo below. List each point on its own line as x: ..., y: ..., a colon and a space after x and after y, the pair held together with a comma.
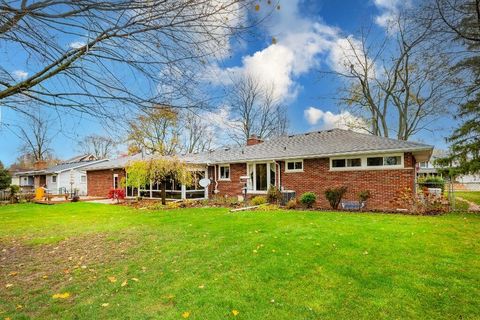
x: 164, y: 193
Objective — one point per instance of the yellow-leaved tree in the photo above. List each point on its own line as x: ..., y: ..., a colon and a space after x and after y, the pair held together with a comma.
x: 158, y: 170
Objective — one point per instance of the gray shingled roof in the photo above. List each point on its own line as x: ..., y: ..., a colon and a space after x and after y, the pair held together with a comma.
x: 327, y: 143
x: 113, y: 163
x: 335, y: 142
x: 72, y: 165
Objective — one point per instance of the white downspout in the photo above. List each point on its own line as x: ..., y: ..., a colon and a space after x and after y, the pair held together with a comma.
x: 279, y: 175
x: 216, y: 181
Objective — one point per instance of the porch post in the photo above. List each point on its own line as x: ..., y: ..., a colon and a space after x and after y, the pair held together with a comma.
x: 184, y: 192
x: 206, y: 177
x: 151, y: 189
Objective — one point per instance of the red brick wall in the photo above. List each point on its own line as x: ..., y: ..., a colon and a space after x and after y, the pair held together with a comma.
x: 384, y: 185
x: 100, y: 182
x: 232, y: 187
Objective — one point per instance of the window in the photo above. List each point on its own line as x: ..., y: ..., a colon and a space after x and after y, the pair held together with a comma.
x: 54, y: 179
x: 115, y: 181
x: 342, y: 163
x: 375, y: 161
x: 338, y: 163
x: 224, y: 172
x: 384, y: 161
x: 356, y: 162
x: 296, y: 165
x: 261, y: 176
x: 83, y: 179
x: 392, y: 161
x: 367, y: 162
x: 423, y: 164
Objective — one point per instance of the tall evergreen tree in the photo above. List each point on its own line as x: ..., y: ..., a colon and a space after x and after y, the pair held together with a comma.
x: 464, y: 21
x: 5, y: 178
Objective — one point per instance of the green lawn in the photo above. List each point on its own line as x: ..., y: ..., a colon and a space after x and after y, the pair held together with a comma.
x: 473, y: 196
x: 119, y: 263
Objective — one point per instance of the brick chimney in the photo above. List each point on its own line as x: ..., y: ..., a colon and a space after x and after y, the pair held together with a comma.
x: 40, y: 165
x: 253, y: 140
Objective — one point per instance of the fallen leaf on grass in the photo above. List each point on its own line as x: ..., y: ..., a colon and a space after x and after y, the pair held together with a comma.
x: 235, y: 312
x: 45, y: 277
x: 13, y: 273
x: 201, y: 286
x: 8, y: 285
x: 112, y: 279
x: 186, y: 314
x: 105, y: 304
x: 64, y: 295
x: 19, y: 307
x: 8, y: 318
x: 124, y: 283
x: 135, y: 279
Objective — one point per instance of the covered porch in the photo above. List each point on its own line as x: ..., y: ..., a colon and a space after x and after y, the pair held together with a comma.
x: 173, y: 189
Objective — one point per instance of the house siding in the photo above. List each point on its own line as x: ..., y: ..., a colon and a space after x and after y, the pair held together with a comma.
x: 99, y: 182
x: 384, y: 185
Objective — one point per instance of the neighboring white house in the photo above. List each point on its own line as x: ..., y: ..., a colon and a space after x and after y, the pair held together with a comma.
x: 464, y: 182
x: 66, y: 177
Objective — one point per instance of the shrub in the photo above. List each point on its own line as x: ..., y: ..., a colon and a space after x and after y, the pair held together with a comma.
x: 116, y: 194
x: 75, y: 198
x: 258, y: 200
x: 292, y: 204
x: 173, y: 205
x: 431, y: 182
x: 364, y: 195
x: 421, y: 204
x: 268, y: 207
x: 308, y: 199
x: 273, y: 195
x: 26, y: 197
x: 232, y: 201
x: 335, y: 195
x: 14, y: 190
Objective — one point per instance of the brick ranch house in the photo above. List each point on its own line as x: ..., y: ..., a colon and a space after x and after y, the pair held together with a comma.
x: 298, y: 163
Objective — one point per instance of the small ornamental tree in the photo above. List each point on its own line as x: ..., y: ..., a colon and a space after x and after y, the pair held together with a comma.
x: 335, y: 195
x: 143, y: 172
x: 116, y: 194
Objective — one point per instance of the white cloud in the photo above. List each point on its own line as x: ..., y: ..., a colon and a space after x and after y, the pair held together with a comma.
x: 20, y: 74
x: 77, y: 44
x: 389, y: 10
x: 329, y: 120
x: 299, y: 42
x: 301, y: 45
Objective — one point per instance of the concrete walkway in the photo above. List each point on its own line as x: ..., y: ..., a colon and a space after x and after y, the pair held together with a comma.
x: 472, y: 206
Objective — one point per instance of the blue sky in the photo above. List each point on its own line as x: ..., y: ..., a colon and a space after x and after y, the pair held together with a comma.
x: 307, y: 34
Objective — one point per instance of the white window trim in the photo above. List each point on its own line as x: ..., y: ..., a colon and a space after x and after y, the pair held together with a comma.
x: 364, y: 162
x: 293, y: 170
x: 229, y: 172
x: 56, y: 179
x: 251, y: 185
